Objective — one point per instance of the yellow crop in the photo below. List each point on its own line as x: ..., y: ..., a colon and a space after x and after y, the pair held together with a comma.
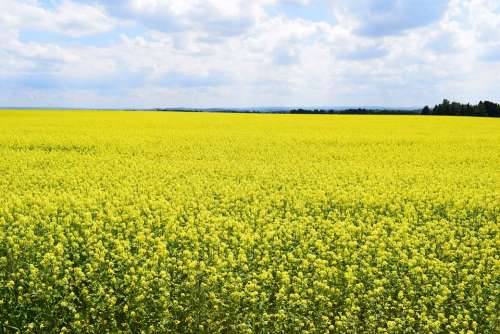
x: 193, y: 222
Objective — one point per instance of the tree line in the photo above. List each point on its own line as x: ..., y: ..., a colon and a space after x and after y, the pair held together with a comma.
x: 356, y: 111
x: 483, y: 108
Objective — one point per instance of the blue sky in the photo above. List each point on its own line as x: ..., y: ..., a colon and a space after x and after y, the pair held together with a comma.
x: 240, y: 53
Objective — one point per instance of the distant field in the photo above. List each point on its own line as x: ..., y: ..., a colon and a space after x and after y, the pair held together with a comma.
x: 194, y: 222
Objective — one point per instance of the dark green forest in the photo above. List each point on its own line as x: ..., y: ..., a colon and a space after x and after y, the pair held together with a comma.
x: 447, y: 108
x: 483, y: 108
x: 356, y: 111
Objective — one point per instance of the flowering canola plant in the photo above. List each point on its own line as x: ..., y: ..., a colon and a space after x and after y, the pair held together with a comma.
x: 192, y: 222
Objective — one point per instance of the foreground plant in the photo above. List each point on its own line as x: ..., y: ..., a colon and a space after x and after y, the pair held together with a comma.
x: 147, y: 222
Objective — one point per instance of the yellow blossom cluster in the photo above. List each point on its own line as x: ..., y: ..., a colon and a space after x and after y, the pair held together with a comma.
x: 144, y: 222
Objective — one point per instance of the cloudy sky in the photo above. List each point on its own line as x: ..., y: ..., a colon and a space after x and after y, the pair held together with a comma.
x: 244, y: 53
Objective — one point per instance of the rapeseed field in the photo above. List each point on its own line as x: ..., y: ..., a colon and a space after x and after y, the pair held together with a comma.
x: 145, y: 222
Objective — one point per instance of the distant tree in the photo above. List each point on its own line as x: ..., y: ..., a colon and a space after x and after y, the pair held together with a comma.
x: 483, y: 109
x: 480, y: 110
x: 426, y: 110
x: 492, y: 109
x: 446, y: 107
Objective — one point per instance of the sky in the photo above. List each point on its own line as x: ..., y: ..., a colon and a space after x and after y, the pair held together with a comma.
x: 248, y: 53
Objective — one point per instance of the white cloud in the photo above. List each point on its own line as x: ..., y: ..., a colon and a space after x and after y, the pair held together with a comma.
x: 298, y: 2
x: 216, y: 17
x: 234, y: 53
x: 67, y: 18
x: 377, y: 18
